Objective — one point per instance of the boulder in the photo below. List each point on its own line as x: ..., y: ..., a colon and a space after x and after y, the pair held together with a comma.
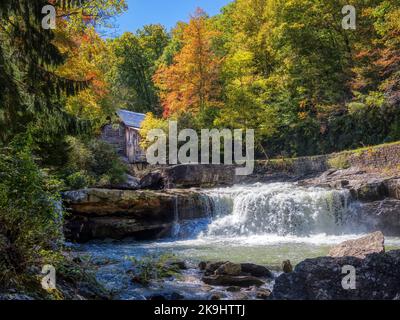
x: 152, y: 181
x: 211, y: 267
x: 360, y: 248
x: 263, y: 294
x: 256, y: 270
x: 198, y: 175
x: 229, y: 281
x: 377, y: 277
x: 229, y: 268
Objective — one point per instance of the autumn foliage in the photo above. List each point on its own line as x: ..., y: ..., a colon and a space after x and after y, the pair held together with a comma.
x: 191, y: 82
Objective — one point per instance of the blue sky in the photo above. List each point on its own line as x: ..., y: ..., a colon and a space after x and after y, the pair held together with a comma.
x: 166, y: 12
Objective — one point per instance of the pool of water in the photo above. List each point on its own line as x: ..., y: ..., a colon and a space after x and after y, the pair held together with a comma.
x: 261, y: 223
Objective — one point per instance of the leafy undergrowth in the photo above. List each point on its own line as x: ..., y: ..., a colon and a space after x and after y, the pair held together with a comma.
x: 154, y: 268
x: 31, y: 237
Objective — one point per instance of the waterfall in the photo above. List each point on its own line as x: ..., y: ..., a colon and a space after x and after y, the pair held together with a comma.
x: 278, y: 208
x: 176, y: 225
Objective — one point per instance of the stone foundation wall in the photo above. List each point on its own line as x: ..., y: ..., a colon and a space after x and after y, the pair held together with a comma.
x: 378, y: 157
x: 386, y: 156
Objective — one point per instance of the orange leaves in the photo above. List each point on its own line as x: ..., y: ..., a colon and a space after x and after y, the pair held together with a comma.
x: 190, y: 83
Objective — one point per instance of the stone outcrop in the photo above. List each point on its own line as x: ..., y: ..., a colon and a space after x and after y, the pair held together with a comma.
x: 229, y: 268
x: 382, y: 215
x: 377, y: 274
x: 360, y: 248
x: 256, y: 270
x: 233, y: 275
x: 187, y: 176
x: 377, y: 197
x: 377, y: 278
x: 116, y: 214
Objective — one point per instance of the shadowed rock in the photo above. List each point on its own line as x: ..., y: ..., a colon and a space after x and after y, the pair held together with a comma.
x: 238, y: 281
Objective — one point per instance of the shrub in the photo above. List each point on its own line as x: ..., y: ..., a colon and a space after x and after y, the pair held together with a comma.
x: 106, y: 161
x: 79, y: 180
x: 30, y: 217
x: 153, y: 267
x: 93, y: 163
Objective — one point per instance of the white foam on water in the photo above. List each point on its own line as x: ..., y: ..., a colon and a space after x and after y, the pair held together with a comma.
x: 282, y: 209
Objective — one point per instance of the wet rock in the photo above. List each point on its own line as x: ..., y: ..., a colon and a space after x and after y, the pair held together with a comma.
x: 393, y: 186
x: 156, y: 297
x: 287, y: 266
x: 15, y: 296
x: 131, y: 183
x: 371, y: 190
x: 229, y: 268
x: 142, y: 214
x: 377, y: 277
x: 263, y: 294
x: 176, y: 296
x: 152, y: 181
x: 211, y: 267
x: 216, y: 296
x: 382, y: 215
x: 84, y: 229
x: 188, y: 176
x: 178, y: 264
x: 226, y: 280
x: 233, y: 289
x: 241, y: 296
x: 202, y: 265
x: 256, y: 270
x: 360, y: 248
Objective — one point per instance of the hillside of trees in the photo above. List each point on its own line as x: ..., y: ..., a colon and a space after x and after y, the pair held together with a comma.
x: 285, y: 68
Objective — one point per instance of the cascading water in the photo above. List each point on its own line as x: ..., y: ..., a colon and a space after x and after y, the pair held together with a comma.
x: 278, y: 208
x: 260, y: 223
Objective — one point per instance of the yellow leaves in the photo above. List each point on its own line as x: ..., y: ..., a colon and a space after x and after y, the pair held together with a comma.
x: 87, y: 60
x: 302, y: 115
x: 151, y: 122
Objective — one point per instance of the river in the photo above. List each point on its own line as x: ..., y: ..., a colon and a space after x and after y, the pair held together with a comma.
x: 260, y: 223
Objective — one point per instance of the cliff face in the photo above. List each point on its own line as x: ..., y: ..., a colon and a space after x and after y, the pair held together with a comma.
x: 116, y: 214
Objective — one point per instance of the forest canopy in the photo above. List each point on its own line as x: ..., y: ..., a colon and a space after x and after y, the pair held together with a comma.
x: 287, y: 69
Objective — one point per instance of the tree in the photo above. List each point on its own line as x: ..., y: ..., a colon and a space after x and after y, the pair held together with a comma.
x: 30, y: 89
x: 89, y: 58
x: 136, y: 59
x: 191, y: 82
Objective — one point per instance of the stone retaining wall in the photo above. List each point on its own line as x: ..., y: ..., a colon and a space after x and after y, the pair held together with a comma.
x: 383, y: 156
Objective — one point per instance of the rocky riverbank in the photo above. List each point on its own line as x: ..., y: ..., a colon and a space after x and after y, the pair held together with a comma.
x: 140, y: 214
x: 152, y: 214
x: 377, y: 274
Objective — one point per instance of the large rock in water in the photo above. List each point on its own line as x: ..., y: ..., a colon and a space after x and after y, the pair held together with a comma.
x: 377, y: 277
x: 199, y: 175
x: 360, y: 248
x: 116, y: 214
x: 377, y: 274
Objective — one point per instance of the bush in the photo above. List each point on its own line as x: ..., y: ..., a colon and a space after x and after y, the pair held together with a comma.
x: 79, y: 180
x: 30, y: 217
x: 93, y: 163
